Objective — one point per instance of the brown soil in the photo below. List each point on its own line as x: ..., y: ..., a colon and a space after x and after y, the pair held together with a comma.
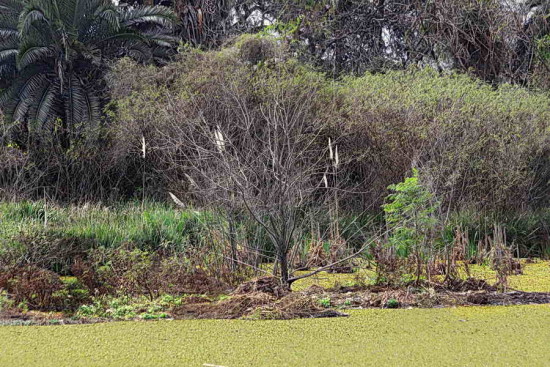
x: 14, y: 317
x: 265, y: 298
x: 342, y: 269
x: 470, y: 284
x: 267, y: 285
x: 250, y: 302
x: 258, y: 305
x: 466, y: 295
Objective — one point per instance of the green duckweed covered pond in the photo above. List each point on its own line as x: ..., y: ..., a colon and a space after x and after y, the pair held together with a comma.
x: 471, y: 336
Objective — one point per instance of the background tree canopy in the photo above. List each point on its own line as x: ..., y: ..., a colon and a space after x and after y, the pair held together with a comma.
x: 496, y: 40
x: 57, y: 86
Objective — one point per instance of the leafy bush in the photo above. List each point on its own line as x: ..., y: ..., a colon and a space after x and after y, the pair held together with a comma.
x: 32, y: 286
x: 72, y: 296
x: 478, y: 145
x: 127, y: 271
x: 410, y: 216
x: 411, y: 219
x: 481, y: 149
x: 481, y: 146
x: 124, y: 307
x: 392, y: 303
x: 325, y: 302
x: 5, y: 301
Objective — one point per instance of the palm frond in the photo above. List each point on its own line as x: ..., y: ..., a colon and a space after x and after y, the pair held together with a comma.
x: 84, y: 104
x: 7, y: 71
x: 45, y: 106
x: 67, y: 14
x: 95, y: 19
x: 109, y: 15
x: 9, y: 18
x: 159, y: 15
x: 138, y: 51
x: 33, y: 54
x: 8, y: 24
x: 9, y: 48
x: 160, y: 39
x: 29, y: 18
x: 11, y: 6
x: 7, y: 54
x: 122, y: 37
x: 7, y: 32
x: 28, y: 95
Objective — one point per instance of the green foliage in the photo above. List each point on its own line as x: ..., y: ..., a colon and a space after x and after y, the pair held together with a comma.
x: 73, y: 295
x: 5, y: 301
x: 479, y: 145
x: 325, y: 302
x: 282, y: 30
x: 392, y: 303
x: 127, y: 308
x: 410, y: 215
x: 543, y: 45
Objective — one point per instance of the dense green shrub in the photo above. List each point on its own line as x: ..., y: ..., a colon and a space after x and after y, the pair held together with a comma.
x: 478, y: 145
x: 411, y: 214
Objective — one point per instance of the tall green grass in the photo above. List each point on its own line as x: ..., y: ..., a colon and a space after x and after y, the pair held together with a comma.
x: 157, y: 225
x: 527, y: 232
x: 151, y: 227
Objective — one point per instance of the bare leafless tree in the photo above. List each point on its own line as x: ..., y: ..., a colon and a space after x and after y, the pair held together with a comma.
x: 265, y: 160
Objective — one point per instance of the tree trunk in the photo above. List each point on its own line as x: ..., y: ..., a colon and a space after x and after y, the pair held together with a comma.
x: 283, y: 264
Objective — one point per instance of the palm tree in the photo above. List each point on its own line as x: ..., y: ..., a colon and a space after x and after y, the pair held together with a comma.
x: 54, y: 55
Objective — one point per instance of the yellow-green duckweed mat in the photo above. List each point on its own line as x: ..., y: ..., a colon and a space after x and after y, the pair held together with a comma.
x: 474, y: 336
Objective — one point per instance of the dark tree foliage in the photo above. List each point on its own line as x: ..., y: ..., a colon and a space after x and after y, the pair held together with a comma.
x: 496, y: 40
x: 207, y: 23
x: 54, y: 55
